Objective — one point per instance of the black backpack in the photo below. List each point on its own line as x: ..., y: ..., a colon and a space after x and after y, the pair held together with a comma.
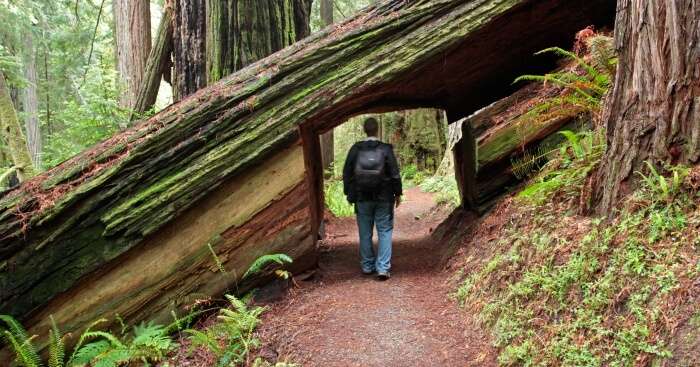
x: 370, y: 169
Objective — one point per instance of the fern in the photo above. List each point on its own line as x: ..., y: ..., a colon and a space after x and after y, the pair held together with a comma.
x: 16, y: 336
x: 218, y: 262
x: 57, y: 349
x: 583, y: 90
x: 603, y: 56
x: 231, y: 338
x: 264, y: 260
x: 531, y: 161
x: 81, y: 341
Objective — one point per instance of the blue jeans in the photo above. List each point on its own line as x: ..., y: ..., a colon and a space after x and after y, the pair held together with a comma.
x: 369, y: 214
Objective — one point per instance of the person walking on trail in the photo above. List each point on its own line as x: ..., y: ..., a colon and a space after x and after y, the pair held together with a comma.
x: 372, y: 182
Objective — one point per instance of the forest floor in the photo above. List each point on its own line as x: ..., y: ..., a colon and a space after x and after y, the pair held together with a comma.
x: 340, y: 317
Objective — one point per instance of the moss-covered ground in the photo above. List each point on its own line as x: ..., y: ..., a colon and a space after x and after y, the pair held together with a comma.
x: 558, y: 288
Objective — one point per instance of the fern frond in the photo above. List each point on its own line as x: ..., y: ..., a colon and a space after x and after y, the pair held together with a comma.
x: 57, y: 349
x: 17, y: 337
x: 531, y: 160
x: 264, y: 260
x: 107, y: 336
x: 25, y: 353
x: 217, y: 261
x: 568, y: 54
x: 89, y: 352
x: 83, y: 338
x: 603, y: 55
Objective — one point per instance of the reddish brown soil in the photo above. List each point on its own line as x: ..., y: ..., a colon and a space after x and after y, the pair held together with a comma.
x: 343, y: 318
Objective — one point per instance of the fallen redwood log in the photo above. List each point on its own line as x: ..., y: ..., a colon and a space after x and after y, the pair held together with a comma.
x: 125, y: 227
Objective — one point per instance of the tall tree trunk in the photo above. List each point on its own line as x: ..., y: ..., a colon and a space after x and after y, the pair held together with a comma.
x: 653, y: 112
x: 189, y: 61
x: 327, y: 146
x: 30, y: 103
x: 158, y: 63
x: 132, y: 20
x: 214, y: 38
x: 12, y: 134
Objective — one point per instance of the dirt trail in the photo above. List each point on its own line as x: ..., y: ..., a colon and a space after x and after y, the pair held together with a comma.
x: 344, y: 318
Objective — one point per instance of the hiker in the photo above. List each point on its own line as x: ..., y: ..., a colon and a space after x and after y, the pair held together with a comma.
x: 371, y: 181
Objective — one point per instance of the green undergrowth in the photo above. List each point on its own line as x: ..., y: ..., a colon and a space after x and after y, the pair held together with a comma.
x: 230, y: 339
x: 335, y: 199
x: 445, y: 188
x: 562, y: 289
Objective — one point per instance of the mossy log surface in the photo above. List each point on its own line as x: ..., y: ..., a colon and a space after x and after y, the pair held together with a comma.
x: 81, y: 221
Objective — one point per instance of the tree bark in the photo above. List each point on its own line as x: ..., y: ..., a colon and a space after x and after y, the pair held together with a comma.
x: 214, y: 38
x: 12, y: 134
x: 158, y: 63
x: 327, y: 139
x: 132, y: 21
x: 30, y: 103
x: 653, y: 113
x: 189, y: 59
x: 240, y: 32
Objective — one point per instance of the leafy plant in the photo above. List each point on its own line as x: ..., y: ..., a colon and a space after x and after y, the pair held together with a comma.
x: 260, y: 263
x: 231, y: 338
x: 567, y: 168
x: 662, y: 188
x: 446, y: 189
x: 149, y: 343
x: 583, y: 87
x: 336, y: 201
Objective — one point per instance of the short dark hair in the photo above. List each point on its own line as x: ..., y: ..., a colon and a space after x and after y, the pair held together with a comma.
x: 371, y: 126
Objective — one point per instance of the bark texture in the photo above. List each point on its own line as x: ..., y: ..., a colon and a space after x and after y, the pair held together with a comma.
x: 158, y: 63
x: 240, y: 32
x: 214, y: 38
x: 189, y: 40
x: 80, y: 233
x: 132, y: 23
x: 13, y: 136
x: 653, y: 112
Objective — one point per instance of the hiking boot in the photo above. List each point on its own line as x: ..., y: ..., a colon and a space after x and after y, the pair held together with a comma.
x: 383, y: 275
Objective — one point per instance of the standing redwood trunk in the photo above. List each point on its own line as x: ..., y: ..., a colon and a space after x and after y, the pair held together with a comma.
x: 214, y: 38
x: 327, y: 146
x: 132, y: 21
x: 189, y: 62
x: 240, y: 32
x: 654, y: 110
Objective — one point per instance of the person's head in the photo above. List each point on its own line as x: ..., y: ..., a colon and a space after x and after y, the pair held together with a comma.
x: 371, y: 127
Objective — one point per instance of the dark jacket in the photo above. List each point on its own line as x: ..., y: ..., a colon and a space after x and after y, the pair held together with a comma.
x: 389, y: 191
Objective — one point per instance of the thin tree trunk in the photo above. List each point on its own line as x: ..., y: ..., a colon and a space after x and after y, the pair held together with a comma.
x: 653, y: 113
x: 158, y: 63
x: 132, y: 20
x: 30, y: 103
x: 11, y: 131
x: 327, y: 139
